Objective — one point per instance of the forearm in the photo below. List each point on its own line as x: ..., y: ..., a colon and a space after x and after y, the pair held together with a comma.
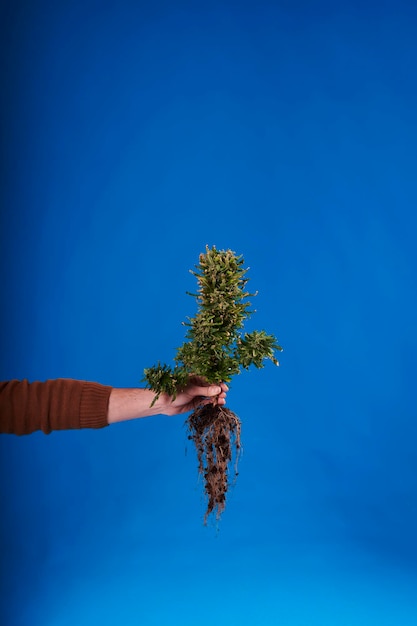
x: 63, y: 404
x: 128, y: 404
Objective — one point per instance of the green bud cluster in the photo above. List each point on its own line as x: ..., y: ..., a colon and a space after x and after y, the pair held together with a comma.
x: 217, y: 348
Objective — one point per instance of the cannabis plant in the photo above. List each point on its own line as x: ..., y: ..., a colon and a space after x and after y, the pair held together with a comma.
x: 216, y: 349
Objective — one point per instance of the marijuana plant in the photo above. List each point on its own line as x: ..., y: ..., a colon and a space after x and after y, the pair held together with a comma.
x: 217, y: 349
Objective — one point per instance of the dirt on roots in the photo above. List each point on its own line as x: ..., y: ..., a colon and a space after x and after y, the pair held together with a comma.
x: 215, y: 432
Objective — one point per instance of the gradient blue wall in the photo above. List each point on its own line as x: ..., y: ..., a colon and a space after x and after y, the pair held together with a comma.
x: 133, y: 134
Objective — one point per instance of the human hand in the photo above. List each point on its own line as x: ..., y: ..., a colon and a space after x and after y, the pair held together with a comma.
x: 197, y: 393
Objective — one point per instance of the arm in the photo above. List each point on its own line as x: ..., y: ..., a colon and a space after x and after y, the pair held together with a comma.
x: 63, y: 404
x: 126, y: 404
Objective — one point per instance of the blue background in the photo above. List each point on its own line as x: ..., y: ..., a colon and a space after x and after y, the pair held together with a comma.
x: 133, y: 134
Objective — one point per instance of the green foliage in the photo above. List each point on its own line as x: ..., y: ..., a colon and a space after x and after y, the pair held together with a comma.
x: 216, y: 348
x: 162, y: 378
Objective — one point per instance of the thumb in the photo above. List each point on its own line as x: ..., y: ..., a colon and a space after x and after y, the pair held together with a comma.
x: 210, y: 391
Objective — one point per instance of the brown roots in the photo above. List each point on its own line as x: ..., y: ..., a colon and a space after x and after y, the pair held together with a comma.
x: 215, y: 431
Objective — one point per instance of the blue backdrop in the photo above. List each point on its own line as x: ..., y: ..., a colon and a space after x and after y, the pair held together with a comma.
x: 133, y: 134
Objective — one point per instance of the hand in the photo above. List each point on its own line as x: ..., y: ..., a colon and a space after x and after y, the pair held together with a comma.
x: 127, y: 404
x: 197, y: 393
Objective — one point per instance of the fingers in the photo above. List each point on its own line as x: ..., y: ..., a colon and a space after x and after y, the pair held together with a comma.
x: 203, y: 393
x: 222, y: 397
x: 210, y: 391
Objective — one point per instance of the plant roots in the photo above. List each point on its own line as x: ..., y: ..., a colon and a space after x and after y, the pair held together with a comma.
x: 215, y: 432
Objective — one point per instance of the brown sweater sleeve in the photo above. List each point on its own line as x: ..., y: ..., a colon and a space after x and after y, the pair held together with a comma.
x: 52, y: 405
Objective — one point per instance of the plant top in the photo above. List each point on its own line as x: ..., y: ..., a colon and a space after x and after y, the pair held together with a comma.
x: 217, y: 348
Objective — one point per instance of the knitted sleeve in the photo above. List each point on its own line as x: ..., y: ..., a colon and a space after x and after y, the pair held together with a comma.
x: 52, y: 405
